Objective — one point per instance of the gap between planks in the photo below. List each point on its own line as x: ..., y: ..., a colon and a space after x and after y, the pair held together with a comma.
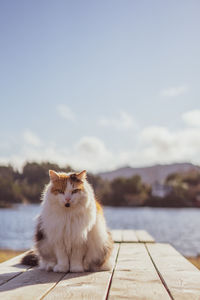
x: 91, y: 285
x: 181, y: 278
x: 161, y: 278
x: 35, y: 283
x: 12, y: 268
x: 131, y: 236
x: 135, y: 276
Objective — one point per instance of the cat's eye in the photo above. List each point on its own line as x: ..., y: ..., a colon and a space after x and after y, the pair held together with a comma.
x: 60, y: 191
x: 76, y: 191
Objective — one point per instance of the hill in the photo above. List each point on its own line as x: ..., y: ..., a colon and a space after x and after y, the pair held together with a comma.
x: 151, y: 174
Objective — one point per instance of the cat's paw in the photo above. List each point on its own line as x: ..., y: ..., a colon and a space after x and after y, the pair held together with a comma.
x: 49, y: 266
x: 86, y: 266
x: 78, y: 268
x: 42, y: 265
x: 60, y: 268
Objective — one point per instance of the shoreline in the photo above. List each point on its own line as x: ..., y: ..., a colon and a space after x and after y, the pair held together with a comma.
x: 13, y: 205
x: 6, y: 254
x: 195, y: 260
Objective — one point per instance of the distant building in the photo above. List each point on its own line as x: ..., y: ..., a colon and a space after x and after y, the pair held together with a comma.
x: 160, y: 190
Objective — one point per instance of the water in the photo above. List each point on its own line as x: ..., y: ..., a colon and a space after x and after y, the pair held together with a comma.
x: 179, y: 227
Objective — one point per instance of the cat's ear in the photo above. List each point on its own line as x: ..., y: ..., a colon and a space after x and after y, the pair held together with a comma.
x: 82, y: 175
x: 53, y: 175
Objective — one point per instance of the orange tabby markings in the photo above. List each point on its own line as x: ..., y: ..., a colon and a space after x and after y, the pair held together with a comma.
x: 60, y: 183
x: 99, y: 208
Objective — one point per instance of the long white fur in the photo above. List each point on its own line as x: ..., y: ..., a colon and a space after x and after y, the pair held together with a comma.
x: 69, y: 231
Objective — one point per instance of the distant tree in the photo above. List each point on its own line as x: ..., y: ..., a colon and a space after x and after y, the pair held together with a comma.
x: 101, y: 187
x: 186, y: 188
x: 9, y: 190
x: 27, y: 186
x: 34, y: 178
x: 128, y: 191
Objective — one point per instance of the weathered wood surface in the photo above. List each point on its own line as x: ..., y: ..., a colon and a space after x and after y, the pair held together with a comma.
x: 11, y: 268
x: 144, y: 237
x: 117, y: 235
x: 132, y: 236
x: 90, y: 286
x: 32, y: 284
x: 129, y: 236
x: 135, y: 276
x: 141, y: 269
x: 181, y: 277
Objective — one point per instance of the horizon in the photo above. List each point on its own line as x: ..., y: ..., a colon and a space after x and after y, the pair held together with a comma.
x: 101, y: 172
x: 100, y: 85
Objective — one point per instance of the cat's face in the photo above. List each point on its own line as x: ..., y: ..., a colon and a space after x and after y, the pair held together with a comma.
x: 68, y: 188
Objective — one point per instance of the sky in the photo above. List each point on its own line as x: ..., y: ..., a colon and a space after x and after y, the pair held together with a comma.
x: 99, y: 84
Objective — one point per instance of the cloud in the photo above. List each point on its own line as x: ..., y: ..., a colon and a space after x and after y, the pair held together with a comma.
x: 65, y: 112
x: 192, y: 118
x: 123, y: 121
x: 174, y: 91
x: 88, y: 146
x: 31, y: 138
x: 156, y: 144
x: 151, y: 145
x: 160, y: 145
x: 90, y: 152
x: 157, y: 135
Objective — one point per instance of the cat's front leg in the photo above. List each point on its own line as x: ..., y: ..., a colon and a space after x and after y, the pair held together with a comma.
x: 46, y: 265
x: 76, y: 259
x: 62, y: 260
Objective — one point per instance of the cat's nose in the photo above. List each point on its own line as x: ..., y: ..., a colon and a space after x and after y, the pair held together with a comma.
x: 67, y: 199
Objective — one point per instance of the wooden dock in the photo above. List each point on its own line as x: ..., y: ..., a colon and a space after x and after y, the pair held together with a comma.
x: 142, y: 269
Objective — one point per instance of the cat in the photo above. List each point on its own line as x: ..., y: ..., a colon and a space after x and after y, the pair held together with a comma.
x: 71, y: 233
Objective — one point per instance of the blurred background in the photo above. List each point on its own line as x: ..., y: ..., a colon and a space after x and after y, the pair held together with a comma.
x: 107, y: 86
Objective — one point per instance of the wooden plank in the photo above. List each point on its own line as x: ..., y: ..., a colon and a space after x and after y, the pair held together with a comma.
x: 181, y: 277
x: 132, y: 236
x: 31, y: 285
x: 116, y: 235
x: 144, y: 236
x: 84, y: 285
x: 11, y: 268
x: 135, y: 276
x: 129, y: 236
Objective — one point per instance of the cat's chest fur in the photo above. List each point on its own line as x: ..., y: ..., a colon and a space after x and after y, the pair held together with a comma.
x: 66, y: 227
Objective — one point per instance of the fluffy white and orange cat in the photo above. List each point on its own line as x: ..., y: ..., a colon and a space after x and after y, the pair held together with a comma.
x: 71, y: 233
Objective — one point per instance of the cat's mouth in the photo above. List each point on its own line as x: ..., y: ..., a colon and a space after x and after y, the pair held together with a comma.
x: 67, y: 205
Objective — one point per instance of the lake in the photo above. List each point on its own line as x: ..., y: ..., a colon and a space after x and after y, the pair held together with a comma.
x: 179, y: 227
